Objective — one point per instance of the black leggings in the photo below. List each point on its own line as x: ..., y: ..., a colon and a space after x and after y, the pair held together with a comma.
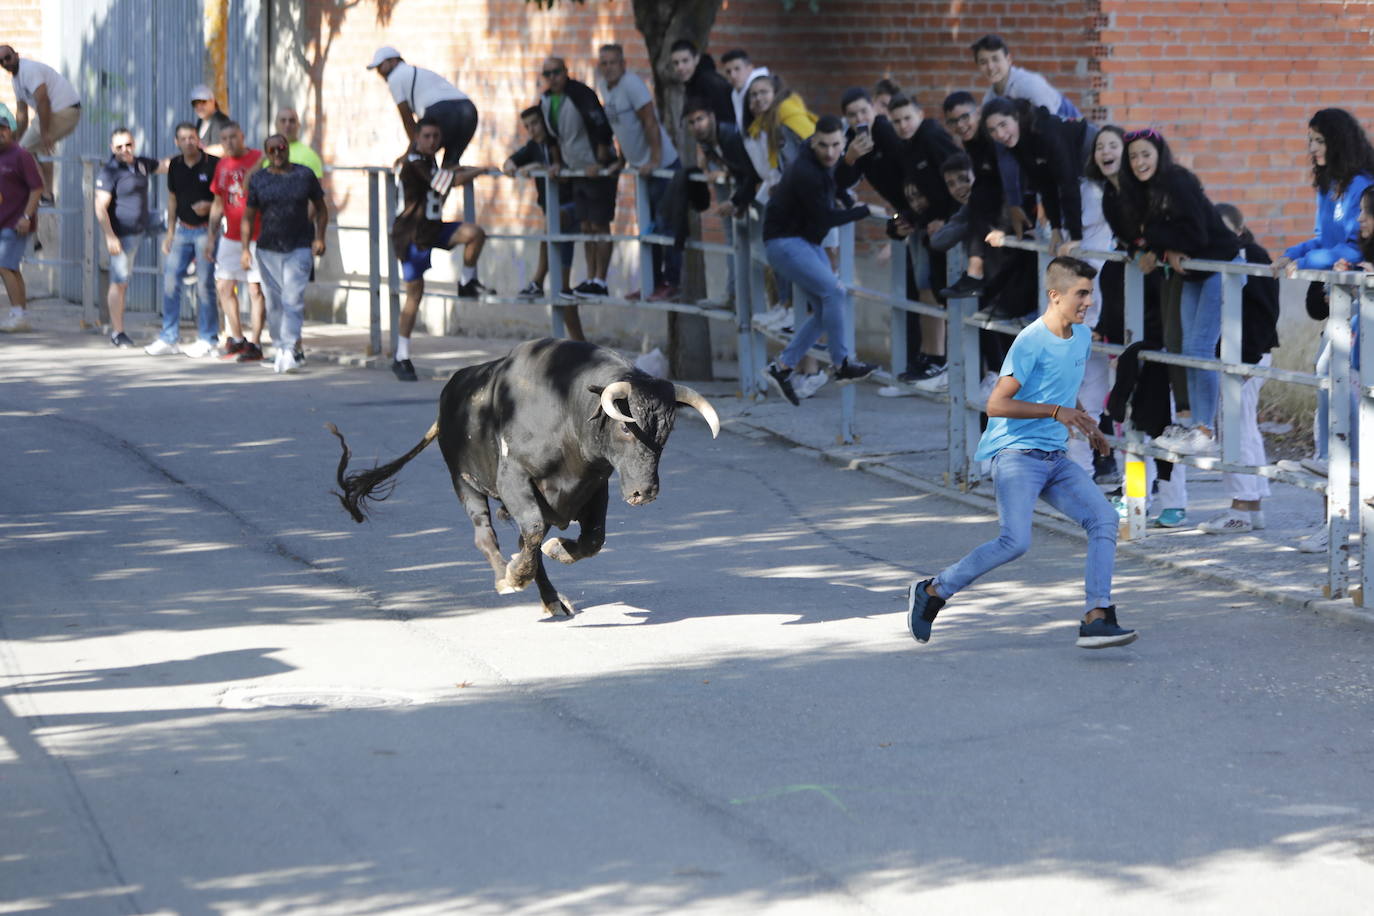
x: 457, y: 122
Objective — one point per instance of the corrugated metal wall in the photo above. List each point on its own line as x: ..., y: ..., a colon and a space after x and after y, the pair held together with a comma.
x: 134, y: 63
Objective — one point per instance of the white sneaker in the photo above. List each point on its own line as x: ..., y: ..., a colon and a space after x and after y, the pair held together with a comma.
x: 1257, y: 519
x: 774, y: 318
x: 894, y: 391
x: 287, y: 362
x: 1192, y: 442
x: 1231, y: 521
x: 807, y: 385
x: 14, y: 324
x: 201, y: 349
x: 161, y: 347
x: 1317, y: 542
x: 1172, y: 434
x: 1319, y: 466
x: 935, y: 383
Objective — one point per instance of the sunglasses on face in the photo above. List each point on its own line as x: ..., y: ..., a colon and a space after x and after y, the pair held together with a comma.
x: 550, y: 74
x: 962, y: 119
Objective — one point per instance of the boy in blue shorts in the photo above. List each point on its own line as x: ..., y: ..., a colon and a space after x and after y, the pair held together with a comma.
x: 1031, y: 412
x: 420, y: 228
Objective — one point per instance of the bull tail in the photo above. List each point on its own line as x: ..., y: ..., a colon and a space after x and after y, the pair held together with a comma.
x: 373, y: 484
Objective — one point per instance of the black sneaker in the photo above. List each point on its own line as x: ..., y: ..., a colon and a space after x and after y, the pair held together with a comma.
x: 590, y: 289
x: 929, y: 370
x: 121, y: 340
x: 1105, y: 472
x: 473, y: 289
x: 921, y: 608
x: 965, y: 287
x: 1104, y: 633
x: 232, y: 348
x: 567, y: 294
x: 914, y: 365
x: 782, y: 380
x: 404, y: 371
x: 299, y: 353
x: 852, y: 371
x: 532, y: 290
x: 251, y: 353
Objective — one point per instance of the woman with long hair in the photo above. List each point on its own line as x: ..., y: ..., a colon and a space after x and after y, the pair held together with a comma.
x: 781, y: 124
x: 1179, y: 222
x: 1342, y: 167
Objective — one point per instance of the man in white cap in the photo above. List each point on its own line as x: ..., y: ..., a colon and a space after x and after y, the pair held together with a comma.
x: 56, y: 108
x: 209, y: 119
x: 421, y: 93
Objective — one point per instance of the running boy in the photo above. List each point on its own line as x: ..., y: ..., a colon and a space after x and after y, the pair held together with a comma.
x: 1031, y: 414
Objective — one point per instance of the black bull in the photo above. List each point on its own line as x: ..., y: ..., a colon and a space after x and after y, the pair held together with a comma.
x: 541, y: 430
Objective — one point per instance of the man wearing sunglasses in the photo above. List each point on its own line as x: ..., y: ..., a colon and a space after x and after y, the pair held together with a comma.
x: 121, y: 208
x: 56, y: 106
x: 579, y: 125
x: 421, y: 93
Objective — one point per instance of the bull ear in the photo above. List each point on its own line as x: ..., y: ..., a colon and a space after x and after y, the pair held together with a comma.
x: 596, y: 389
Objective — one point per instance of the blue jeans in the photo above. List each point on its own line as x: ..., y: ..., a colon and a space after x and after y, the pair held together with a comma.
x: 122, y: 264
x: 189, y: 245
x: 284, y: 277
x: 667, y: 260
x: 1200, y: 315
x: 1021, y: 477
x: 807, y: 267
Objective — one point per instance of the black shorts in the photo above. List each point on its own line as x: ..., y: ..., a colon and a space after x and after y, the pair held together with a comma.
x: 594, y: 199
x: 457, y: 122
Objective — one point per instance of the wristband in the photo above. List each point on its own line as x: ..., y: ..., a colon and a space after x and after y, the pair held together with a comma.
x: 1054, y: 414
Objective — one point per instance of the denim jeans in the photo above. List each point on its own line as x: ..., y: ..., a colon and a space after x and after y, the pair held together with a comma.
x: 1021, y: 477
x: 806, y: 265
x: 189, y: 245
x: 1200, y: 315
x: 1321, y: 424
x: 667, y: 260
x: 284, y: 277
x: 122, y: 264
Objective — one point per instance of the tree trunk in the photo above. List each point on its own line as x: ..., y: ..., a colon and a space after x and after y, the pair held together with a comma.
x: 663, y: 22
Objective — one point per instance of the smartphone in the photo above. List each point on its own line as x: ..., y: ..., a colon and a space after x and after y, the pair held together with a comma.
x: 861, y: 129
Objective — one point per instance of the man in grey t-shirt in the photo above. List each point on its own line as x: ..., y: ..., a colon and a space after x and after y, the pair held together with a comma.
x: 645, y: 146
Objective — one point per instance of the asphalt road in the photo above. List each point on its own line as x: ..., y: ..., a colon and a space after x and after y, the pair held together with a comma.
x: 220, y: 695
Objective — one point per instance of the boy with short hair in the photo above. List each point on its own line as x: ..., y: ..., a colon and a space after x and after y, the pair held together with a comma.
x: 993, y: 58
x: 1032, y: 411
x: 535, y: 154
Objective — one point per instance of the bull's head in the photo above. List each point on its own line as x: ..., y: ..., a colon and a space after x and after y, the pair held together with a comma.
x: 641, y: 429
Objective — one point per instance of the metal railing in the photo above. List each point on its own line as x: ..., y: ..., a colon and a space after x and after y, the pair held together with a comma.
x: 746, y: 256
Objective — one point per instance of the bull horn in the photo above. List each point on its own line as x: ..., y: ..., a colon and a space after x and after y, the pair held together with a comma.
x: 615, y: 390
x: 692, y: 399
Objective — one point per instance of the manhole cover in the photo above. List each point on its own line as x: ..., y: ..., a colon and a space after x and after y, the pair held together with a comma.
x: 313, y: 698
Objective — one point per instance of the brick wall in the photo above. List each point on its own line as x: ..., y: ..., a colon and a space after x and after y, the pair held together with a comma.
x: 23, y: 21
x: 1232, y: 85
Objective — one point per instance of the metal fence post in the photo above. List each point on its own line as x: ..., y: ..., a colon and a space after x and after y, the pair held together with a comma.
x: 1134, y: 282
x: 393, y: 280
x: 959, y: 340
x: 375, y: 241
x: 749, y: 383
x: 644, y: 224
x: 553, y: 225
x: 1338, y: 331
x: 1231, y: 384
x: 1366, y: 440
x: 901, y: 252
x: 758, y: 289
x: 1134, y: 491
x: 90, y: 284
x: 469, y: 203
x: 847, y: 394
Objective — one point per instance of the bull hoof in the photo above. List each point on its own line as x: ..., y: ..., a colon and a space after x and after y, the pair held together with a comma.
x: 557, y: 549
x: 562, y: 608
x: 504, y: 587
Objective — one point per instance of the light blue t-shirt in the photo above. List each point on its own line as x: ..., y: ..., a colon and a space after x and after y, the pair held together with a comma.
x: 1050, y: 370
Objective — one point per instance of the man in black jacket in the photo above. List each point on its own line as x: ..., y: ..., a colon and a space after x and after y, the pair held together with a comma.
x: 801, y: 210
x: 585, y: 144
x: 697, y: 74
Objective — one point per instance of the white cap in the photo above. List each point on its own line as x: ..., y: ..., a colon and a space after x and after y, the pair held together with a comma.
x: 202, y: 93
x: 385, y: 52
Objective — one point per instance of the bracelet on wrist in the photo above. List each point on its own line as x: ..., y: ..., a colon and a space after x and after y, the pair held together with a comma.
x: 1054, y: 414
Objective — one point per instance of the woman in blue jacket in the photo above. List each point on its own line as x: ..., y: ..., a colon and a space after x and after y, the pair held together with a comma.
x: 1342, y: 167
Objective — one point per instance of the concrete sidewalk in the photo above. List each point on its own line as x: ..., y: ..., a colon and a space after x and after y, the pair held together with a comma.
x: 903, y: 440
